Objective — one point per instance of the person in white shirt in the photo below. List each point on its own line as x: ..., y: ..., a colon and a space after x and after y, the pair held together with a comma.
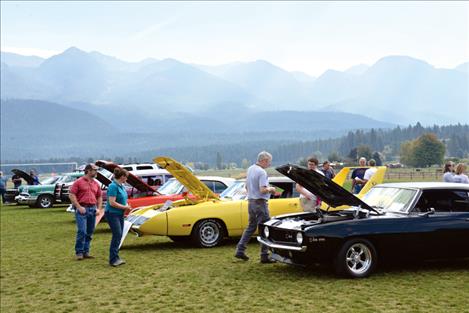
x: 309, y: 202
x: 369, y: 172
x: 448, y: 172
x: 459, y: 176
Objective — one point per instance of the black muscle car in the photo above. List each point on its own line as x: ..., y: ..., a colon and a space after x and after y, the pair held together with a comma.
x: 401, y: 220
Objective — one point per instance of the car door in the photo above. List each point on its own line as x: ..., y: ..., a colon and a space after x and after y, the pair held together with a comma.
x: 284, y: 206
x: 444, y: 232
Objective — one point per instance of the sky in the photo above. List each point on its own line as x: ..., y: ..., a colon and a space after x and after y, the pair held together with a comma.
x: 298, y: 36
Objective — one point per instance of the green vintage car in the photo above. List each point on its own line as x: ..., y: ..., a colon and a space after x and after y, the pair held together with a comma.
x: 42, y: 196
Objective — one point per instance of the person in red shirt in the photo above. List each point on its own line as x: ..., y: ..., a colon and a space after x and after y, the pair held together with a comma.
x: 85, y: 195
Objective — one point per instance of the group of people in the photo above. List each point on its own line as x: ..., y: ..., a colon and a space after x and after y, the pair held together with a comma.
x: 86, y: 197
x: 259, y: 191
x: 455, y: 174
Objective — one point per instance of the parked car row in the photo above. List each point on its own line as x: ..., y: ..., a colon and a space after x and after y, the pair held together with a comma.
x: 208, y: 218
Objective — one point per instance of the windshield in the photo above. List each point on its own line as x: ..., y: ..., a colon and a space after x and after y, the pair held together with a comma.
x: 50, y: 180
x: 234, y: 192
x: 389, y: 199
x: 171, y: 187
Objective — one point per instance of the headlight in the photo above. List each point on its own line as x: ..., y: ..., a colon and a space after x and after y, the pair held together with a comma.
x: 266, y: 232
x: 299, y: 238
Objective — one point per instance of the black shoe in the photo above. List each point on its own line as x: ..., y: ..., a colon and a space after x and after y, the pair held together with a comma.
x: 242, y: 256
x: 267, y: 260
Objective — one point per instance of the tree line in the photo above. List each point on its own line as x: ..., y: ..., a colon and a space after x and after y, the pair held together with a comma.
x: 381, y: 144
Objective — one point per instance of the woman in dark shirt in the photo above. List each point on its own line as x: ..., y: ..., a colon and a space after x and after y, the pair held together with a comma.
x: 115, y: 207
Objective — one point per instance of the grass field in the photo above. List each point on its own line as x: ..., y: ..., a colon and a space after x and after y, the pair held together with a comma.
x: 39, y: 274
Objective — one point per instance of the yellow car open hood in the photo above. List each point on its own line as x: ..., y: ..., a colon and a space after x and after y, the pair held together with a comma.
x: 182, y: 174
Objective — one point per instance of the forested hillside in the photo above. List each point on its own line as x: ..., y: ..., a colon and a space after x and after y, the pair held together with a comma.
x: 386, y: 142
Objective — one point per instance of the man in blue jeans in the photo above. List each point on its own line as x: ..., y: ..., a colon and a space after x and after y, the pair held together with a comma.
x: 257, y: 185
x: 85, y: 195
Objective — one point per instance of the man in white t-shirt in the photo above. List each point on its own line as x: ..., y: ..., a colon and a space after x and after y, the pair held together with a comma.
x: 370, y: 172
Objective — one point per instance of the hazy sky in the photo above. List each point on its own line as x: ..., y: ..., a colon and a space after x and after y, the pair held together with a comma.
x: 303, y: 36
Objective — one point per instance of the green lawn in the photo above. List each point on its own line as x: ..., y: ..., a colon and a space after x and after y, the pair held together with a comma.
x: 39, y: 274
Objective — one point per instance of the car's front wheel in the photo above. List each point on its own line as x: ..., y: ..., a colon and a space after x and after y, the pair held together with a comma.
x: 357, y: 258
x: 44, y: 201
x: 208, y: 233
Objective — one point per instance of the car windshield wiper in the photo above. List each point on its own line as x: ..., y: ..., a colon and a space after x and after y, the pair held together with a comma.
x: 378, y: 208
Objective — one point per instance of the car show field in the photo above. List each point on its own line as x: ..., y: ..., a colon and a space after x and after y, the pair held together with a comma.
x: 39, y: 274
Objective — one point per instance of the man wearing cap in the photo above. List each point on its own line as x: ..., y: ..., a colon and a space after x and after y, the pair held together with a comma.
x: 85, y: 195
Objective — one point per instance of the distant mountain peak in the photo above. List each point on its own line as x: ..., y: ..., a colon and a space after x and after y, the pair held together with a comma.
x: 401, y: 60
x: 74, y: 51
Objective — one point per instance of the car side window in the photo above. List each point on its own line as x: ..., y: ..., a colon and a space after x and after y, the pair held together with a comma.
x: 209, y: 184
x: 443, y: 201
x: 144, y: 167
x: 461, y: 201
x: 219, y: 187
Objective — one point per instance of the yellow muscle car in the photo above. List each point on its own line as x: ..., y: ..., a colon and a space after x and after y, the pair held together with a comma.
x: 210, y: 218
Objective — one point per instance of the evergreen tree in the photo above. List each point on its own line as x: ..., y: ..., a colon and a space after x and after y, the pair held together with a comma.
x: 378, y: 158
x: 364, y: 151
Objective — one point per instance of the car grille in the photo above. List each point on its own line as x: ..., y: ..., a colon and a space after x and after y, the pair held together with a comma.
x: 64, y: 191
x: 282, y: 235
x: 57, y: 191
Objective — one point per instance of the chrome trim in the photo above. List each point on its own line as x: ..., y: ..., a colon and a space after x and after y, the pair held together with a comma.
x: 270, y: 244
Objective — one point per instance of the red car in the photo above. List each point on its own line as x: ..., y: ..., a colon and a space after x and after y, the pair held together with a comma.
x: 174, y: 190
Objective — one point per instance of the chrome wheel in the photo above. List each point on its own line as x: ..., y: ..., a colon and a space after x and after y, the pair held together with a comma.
x: 45, y: 202
x: 209, y: 233
x: 358, y: 258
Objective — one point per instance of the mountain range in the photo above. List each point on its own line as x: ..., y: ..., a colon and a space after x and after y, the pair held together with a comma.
x: 396, y: 89
x: 79, y: 103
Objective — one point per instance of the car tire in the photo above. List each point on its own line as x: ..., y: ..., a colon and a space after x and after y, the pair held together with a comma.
x: 208, y: 233
x: 45, y: 201
x: 179, y: 239
x: 357, y: 258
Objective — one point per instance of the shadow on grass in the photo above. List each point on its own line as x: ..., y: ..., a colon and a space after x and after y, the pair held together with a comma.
x: 102, y: 230
x: 169, y: 245
x: 187, y: 244
x: 422, y: 267
x: 453, y: 265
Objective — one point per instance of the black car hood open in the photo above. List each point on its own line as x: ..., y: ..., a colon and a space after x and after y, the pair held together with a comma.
x: 24, y: 175
x: 132, y: 180
x: 320, y: 185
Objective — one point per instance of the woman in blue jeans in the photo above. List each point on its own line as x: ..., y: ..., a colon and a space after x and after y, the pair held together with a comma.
x: 114, y: 213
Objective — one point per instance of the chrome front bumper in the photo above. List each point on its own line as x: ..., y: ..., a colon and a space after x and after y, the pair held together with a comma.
x: 23, y: 199
x: 272, y: 245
